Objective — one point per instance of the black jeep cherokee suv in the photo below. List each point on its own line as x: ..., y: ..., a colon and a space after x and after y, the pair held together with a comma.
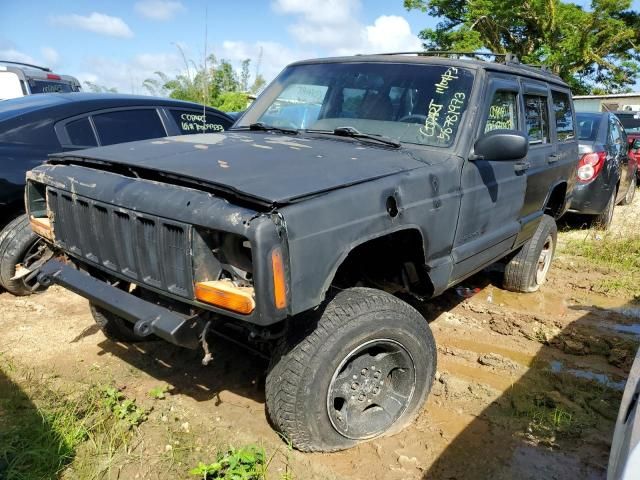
x: 348, y: 182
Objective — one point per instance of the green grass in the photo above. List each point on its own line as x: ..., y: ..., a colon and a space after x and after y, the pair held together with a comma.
x: 43, y: 428
x: 618, y: 255
x: 246, y: 463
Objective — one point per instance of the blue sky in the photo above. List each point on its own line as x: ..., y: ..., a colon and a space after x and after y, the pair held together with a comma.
x: 119, y: 43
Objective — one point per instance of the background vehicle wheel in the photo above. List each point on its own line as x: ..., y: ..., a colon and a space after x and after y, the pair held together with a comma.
x: 628, y: 198
x: 603, y: 221
x: 527, y: 270
x: 114, y: 327
x: 19, y: 245
x: 361, y: 370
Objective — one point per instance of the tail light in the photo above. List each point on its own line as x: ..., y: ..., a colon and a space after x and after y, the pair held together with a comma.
x: 590, y: 166
x: 53, y: 76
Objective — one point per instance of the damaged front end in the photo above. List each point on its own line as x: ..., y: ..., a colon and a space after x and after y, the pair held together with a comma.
x: 167, y: 258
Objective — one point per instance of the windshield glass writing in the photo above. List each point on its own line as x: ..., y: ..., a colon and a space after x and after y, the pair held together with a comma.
x: 411, y: 103
x: 42, y: 86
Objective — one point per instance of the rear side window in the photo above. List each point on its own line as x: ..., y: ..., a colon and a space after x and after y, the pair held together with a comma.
x: 537, y: 116
x: 503, y: 112
x: 80, y: 133
x: 564, y: 116
x: 192, y: 121
x: 128, y: 126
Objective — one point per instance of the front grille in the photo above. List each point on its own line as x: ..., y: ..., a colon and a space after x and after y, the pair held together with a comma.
x: 143, y: 248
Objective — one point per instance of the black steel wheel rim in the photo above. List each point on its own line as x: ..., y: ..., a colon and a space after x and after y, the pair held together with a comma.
x: 32, y: 255
x: 371, y: 389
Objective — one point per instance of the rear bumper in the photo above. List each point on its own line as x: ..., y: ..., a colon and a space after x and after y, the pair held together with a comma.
x: 147, y: 317
x: 590, y: 198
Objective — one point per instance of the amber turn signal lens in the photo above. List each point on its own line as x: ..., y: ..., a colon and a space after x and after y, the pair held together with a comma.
x: 41, y: 226
x: 279, y: 284
x: 225, y: 294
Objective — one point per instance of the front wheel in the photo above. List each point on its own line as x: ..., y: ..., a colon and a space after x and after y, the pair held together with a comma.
x: 603, y: 220
x: 19, y: 246
x: 527, y: 270
x: 361, y: 370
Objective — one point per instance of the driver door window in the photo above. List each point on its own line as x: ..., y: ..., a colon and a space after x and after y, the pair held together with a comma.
x: 503, y: 112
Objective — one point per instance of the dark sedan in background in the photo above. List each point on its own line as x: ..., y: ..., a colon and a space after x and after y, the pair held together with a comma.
x: 606, y: 171
x: 34, y: 126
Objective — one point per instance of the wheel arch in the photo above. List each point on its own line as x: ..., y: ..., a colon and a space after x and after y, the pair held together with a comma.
x: 555, y: 204
x: 408, y: 235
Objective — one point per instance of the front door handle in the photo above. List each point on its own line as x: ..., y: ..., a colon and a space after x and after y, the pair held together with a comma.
x: 554, y: 157
x: 522, y: 166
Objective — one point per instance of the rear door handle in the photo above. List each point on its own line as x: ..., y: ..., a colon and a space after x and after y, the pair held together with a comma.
x: 522, y: 166
x: 554, y: 157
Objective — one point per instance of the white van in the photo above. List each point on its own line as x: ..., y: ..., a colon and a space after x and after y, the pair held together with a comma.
x: 20, y: 79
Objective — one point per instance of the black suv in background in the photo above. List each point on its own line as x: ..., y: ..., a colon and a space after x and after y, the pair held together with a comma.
x: 349, y: 185
x: 34, y: 126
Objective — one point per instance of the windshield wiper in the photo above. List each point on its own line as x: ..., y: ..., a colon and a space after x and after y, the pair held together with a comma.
x: 270, y: 128
x: 355, y: 133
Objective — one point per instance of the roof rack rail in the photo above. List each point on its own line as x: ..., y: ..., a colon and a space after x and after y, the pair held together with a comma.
x: 508, y: 57
x: 44, y: 69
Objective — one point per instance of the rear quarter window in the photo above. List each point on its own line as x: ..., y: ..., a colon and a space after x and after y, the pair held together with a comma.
x: 128, y: 126
x: 80, y: 133
x: 192, y: 121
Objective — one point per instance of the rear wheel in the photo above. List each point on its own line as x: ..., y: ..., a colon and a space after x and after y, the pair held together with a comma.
x: 20, y: 246
x: 603, y: 221
x: 628, y: 198
x: 528, y: 269
x: 361, y: 370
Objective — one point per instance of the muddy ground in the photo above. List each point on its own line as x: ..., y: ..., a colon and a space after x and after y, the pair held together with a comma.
x: 528, y: 386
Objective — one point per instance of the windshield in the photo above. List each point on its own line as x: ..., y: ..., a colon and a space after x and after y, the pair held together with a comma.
x: 421, y: 104
x: 46, y: 86
x: 630, y: 122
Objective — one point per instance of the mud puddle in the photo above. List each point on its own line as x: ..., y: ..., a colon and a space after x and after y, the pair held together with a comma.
x: 601, y: 378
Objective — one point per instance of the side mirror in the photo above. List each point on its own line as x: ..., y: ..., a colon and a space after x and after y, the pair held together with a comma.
x: 635, y: 145
x: 501, y: 145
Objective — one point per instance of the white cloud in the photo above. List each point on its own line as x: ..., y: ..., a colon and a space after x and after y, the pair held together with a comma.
x: 158, y: 9
x: 96, y: 23
x: 14, y: 55
x: 331, y: 11
x: 50, y: 56
x: 336, y: 28
x: 275, y: 56
x: 127, y: 75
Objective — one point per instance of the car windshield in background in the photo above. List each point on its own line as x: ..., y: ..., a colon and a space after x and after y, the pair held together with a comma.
x: 630, y: 122
x: 44, y: 86
x: 588, y: 124
x: 420, y: 104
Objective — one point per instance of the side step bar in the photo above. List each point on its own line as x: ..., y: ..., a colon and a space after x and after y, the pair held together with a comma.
x: 148, y: 318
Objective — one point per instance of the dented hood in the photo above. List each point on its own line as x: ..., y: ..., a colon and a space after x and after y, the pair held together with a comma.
x: 269, y: 167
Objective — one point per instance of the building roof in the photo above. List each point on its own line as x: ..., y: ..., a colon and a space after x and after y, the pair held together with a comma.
x: 612, y: 95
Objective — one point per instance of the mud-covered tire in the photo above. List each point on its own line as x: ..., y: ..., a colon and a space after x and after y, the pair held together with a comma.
x: 603, y: 220
x: 16, y: 241
x: 316, y: 362
x: 631, y: 192
x: 526, y: 271
x: 114, y: 327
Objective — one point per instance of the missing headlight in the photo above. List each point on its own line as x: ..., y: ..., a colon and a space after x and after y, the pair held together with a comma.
x: 222, y: 255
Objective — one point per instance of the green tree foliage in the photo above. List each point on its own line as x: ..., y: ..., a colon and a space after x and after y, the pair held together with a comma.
x: 592, y: 49
x: 214, y: 83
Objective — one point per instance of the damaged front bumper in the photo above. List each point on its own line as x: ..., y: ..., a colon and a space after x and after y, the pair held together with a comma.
x: 147, y: 318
